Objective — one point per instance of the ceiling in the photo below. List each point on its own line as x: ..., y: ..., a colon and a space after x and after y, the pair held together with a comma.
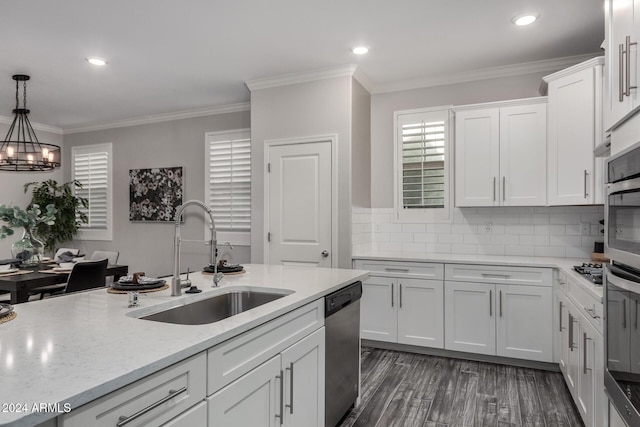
x: 167, y: 56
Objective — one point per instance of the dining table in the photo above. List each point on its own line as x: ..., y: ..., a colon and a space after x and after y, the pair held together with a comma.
x: 28, y: 278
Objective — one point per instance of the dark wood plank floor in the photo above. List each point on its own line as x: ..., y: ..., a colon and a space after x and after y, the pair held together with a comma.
x: 414, y: 390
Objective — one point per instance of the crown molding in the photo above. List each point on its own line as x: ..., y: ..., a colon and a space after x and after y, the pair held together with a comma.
x: 157, y: 118
x: 498, y: 104
x: 36, y: 126
x: 547, y: 65
x: 593, y: 62
x: 310, y: 76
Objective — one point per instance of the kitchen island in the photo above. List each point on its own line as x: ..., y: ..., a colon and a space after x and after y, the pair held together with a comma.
x: 62, y: 353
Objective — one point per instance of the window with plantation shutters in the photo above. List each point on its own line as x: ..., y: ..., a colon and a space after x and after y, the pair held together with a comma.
x: 229, y: 181
x: 92, y: 168
x: 422, y: 164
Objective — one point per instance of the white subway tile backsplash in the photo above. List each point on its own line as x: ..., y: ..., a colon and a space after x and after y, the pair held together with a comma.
x: 522, y: 231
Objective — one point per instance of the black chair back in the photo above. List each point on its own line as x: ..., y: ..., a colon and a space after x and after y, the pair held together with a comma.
x: 87, y: 275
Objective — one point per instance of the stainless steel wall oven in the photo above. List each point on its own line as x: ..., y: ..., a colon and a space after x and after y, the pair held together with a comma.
x: 622, y: 284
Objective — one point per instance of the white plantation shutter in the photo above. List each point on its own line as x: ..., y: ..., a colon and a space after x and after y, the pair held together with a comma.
x: 229, y: 184
x: 423, y: 189
x: 92, y: 167
x: 423, y: 151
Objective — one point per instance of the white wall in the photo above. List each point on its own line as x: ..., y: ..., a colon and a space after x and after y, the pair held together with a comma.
x: 360, y: 146
x: 12, y: 184
x: 301, y: 110
x: 148, y: 247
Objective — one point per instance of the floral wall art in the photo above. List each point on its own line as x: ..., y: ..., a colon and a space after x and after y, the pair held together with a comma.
x: 155, y: 194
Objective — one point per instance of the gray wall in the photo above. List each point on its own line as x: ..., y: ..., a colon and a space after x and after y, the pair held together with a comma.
x: 148, y: 247
x: 301, y: 110
x: 12, y: 183
x: 360, y: 146
x: 384, y: 104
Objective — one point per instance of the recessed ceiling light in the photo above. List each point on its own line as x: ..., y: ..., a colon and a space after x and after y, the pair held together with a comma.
x: 525, y: 19
x: 96, y: 61
x: 360, y: 50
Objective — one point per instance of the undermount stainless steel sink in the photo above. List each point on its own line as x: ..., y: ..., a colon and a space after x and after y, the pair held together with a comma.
x: 215, y: 308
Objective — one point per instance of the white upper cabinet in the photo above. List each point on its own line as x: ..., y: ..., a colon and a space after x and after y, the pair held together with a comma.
x: 574, y: 129
x: 500, y: 153
x: 622, y: 29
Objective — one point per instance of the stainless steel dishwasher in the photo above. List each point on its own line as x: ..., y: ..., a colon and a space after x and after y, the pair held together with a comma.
x: 342, y: 351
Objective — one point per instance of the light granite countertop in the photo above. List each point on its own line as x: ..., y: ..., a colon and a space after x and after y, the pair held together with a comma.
x: 76, y: 348
x: 564, y: 264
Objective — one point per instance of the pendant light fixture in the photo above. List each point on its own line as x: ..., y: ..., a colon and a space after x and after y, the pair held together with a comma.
x: 21, y: 151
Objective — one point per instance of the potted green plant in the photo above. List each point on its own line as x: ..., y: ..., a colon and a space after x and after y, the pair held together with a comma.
x: 28, y: 249
x: 70, y: 215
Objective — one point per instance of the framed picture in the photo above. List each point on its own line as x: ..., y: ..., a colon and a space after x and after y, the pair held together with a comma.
x: 155, y: 194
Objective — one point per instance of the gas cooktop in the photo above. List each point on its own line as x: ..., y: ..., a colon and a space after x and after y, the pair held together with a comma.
x: 592, y: 272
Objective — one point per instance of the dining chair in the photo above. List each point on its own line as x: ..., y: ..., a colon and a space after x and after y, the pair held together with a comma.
x: 87, y: 275
x: 84, y: 275
x: 112, y: 256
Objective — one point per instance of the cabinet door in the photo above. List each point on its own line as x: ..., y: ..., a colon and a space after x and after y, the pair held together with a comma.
x: 524, y: 322
x: 634, y: 338
x: 619, y: 23
x: 589, y: 399
x: 571, y: 139
x: 304, y: 366
x: 196, y: 416
x: 378, y: 312
x: 573, y: 362
x: 523, y: 159
x: 420, y: 312
x: 563, y: 332
x: 252, y: 400
x: 477, y: 153
x: 469, y: 317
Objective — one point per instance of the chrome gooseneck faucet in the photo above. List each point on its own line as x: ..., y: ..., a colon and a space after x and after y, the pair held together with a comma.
x: 175, y: 281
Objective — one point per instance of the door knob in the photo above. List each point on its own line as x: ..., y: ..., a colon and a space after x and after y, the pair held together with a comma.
x: 325, y: 254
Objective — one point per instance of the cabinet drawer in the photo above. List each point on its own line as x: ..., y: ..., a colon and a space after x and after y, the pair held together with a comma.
x: 196, y: 416
x: 499, y: 274
x: 237, y: 356
x: 587, y: 304
x: 425, y: 270
x: 185, y: 380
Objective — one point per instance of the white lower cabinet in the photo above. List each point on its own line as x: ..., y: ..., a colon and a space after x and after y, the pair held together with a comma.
x: 581, y: 358
x: 502, y: 320
x: 288, y: 390
x: 402, y: 310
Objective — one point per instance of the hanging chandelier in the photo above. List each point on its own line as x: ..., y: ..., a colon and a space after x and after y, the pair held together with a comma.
x: 21, y: 151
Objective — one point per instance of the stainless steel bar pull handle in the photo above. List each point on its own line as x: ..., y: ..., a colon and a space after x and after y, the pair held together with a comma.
x: 620, y: 72
x: 570, y: 338
x: 586, y: 174
x: 290, y: 405
x: 490, y: 303
x: 392, y: 289
x: 624, y: 313
x: 281, y: 414
x: 504, y: 188
x: 399, y: 270
x: 494, y: 188
x: 636, y: 319
x: 584, y: 353
x: 628, y: 65
x: 500, y: 303
x: 124, y: 420
x: 400, y: 295
x: 560, y: 317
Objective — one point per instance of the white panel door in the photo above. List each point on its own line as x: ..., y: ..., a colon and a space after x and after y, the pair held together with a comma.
x: 469, y: 323
x: 563, y: 332
x: 300, y: 204
x: 589, y: 399
x: 618, y: 331
x: 477, y: 146
x: 303, y: 365
x: 634, y: 339
x: 573, y: 363
x: 571, y: 139
x: 251, y: 400
x: 420, y: 312
x: 524, y: 322
x: 378, y: 309
x: 523, y: 160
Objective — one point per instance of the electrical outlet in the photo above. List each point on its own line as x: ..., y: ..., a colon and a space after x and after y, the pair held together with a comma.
x: 585, y: 229
x: 486, y: 228
x: 619, y: 232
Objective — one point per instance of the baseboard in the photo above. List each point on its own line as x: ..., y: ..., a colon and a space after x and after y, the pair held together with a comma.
x: 533, y: 364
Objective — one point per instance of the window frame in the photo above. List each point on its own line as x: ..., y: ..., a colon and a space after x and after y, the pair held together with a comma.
x: 97, y: 234
x: 240, y: 238
x: 421, y: 215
